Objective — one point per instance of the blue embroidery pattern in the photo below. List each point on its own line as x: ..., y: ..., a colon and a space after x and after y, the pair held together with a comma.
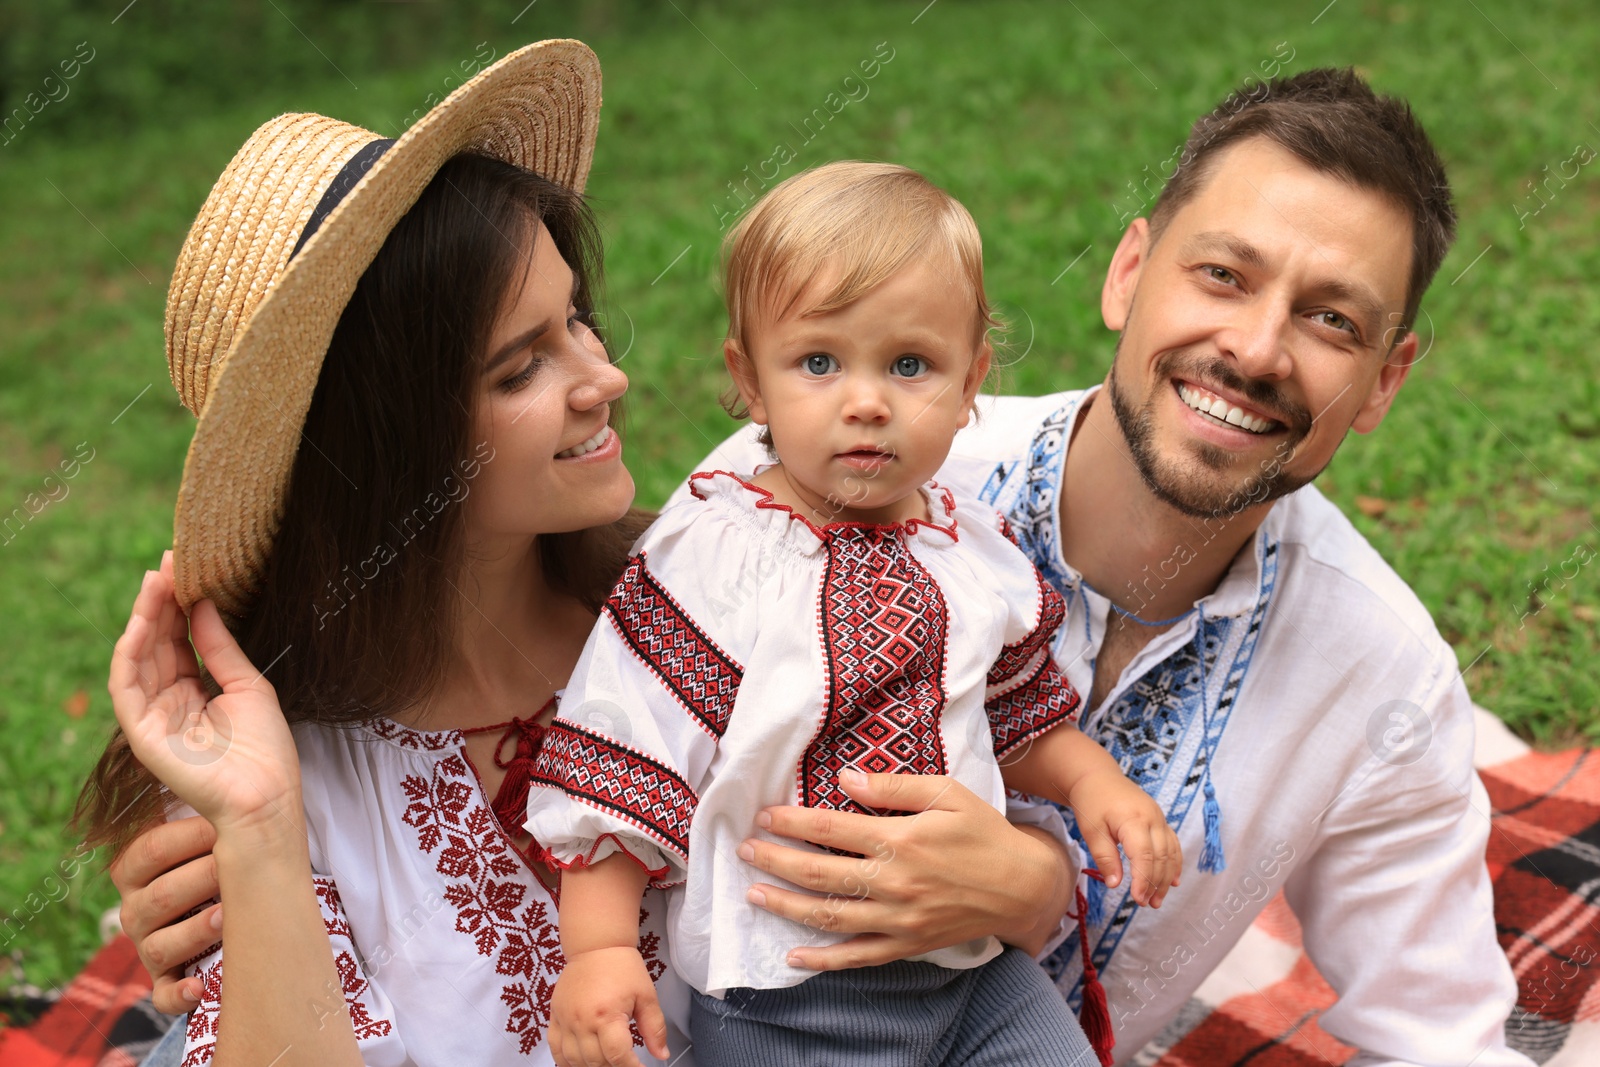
x: 1026, y: 489
x: 1157, y: 730
x: 1159, y: 734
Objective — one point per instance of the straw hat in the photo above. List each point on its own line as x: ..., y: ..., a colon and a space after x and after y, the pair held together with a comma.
x: 272, y: 260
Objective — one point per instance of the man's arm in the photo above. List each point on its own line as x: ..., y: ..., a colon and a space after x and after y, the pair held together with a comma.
x: 1397, y: 910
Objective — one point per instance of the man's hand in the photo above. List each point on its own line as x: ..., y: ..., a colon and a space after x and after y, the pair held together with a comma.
x: 598, y: 992
x: 953, y: 871
x: 166, y: 873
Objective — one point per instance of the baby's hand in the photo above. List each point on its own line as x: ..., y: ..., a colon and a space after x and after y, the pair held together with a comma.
x: 597, y: 994
x: 1111, y: 810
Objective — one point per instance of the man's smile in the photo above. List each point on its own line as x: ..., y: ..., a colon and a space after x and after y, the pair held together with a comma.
x: 1224, y: 411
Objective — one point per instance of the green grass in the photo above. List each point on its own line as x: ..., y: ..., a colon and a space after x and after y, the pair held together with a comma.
x: 1487, y: 468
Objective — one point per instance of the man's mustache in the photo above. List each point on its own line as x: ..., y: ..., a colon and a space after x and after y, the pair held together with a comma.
x: 1263, y: 396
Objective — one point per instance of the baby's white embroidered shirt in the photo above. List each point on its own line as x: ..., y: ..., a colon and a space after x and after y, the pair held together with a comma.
x: 748, y: 656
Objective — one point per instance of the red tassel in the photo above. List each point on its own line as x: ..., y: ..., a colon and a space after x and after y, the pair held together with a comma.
x: 1095, y: 1016
x: 511, y: 802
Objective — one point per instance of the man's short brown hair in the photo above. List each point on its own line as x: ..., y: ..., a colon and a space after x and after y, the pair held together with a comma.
x: 1331, y: 119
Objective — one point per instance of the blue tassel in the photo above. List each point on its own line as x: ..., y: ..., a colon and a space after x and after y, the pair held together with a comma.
x: 1097, y: 902
x: 1211, y: 860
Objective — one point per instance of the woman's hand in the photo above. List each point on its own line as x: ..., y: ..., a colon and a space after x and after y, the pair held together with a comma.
x: 954, y: 871
x: 164, y: 875
x: 231, y: 758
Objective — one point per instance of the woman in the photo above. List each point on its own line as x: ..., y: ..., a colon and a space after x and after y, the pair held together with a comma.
x: 406, y: 497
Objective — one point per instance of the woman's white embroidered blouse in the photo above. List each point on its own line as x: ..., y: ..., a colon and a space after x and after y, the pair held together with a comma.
x: 444, y: 938
x: 747, y: 657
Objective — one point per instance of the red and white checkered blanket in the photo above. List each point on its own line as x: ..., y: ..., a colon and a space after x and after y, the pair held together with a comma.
x: 1262, y: 1005
x: 103, y: 1019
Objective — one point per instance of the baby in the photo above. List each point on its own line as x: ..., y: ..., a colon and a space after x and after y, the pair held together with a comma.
x: 836, y: 611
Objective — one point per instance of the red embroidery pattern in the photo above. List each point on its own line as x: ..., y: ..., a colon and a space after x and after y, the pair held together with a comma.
x: 354, y: 985
x: 884, y: 624
x: 1006, y: 530
x: 1021, y: 714
x: 205, y: 1018
x: 1016, y: 658
x: 689, y: 664
x: 649, y: 946
x: 483, y: 874
x: 332, y: 908
x: 333, y: 918
x: 598, y: 771
x: 436, y: 741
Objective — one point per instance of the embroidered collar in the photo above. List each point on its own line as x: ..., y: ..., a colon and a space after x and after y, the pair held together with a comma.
x: 1241, y: 588
x: 744, y: 496
x: 419, y: 740
x: 444, y: 740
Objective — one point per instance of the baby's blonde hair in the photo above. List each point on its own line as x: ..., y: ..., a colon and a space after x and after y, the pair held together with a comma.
x: 866, y: 221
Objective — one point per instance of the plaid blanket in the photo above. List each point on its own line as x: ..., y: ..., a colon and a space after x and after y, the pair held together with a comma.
x: 104, y: 1018
x: 1260, y: 1007
x: 1262, y: 1004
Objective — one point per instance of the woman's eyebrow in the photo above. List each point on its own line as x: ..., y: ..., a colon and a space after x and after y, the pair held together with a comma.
x: 511, y: 347
x: 522, y: 340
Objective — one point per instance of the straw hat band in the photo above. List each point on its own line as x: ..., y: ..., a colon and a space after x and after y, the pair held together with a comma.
x: 349, y: 174
x: 240, y: 242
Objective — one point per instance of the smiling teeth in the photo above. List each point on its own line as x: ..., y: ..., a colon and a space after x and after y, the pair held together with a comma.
x: 588, y: 446
x: 1218, y: 408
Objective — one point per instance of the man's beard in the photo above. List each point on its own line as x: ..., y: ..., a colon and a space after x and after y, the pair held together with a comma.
x: 1181, y: 485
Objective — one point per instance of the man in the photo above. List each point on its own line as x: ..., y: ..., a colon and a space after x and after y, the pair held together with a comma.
x: 1246, y: 655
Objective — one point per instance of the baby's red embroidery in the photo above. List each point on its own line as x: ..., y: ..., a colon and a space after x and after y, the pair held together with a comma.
x: 884, y: 629
x: 690, y: 666
x: 595, y: 769
x: 1016, y: 658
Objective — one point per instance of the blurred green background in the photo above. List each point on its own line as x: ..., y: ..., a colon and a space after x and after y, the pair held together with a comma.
x: 1042, y: 117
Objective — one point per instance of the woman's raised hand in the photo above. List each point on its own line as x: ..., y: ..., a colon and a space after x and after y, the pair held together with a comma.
x: 232, y: 757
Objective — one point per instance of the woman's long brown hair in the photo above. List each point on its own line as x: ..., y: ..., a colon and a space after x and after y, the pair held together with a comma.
x: 357, y: 614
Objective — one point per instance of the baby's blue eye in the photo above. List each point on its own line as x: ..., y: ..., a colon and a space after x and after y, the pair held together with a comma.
x: 819, y: 363
x: 909, y: 366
